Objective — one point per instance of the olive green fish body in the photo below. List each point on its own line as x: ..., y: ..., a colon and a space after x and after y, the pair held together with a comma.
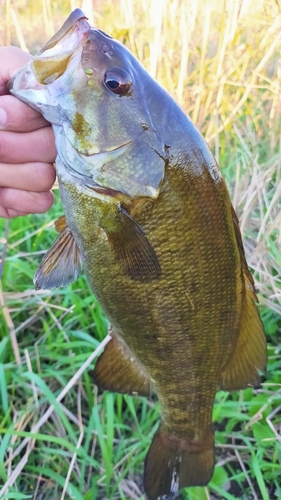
x: 148, y: 215
x: 190, y: 317
x: 184, y: 327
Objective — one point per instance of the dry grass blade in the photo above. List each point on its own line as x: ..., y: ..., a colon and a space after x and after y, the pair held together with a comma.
x: 29, y: 367
x: 71, y: 465
x: 10, y: 325
x: 16, y: 472
x: 18, y: 29
x: 80, y: 439
x: 3, y: 306
x: 255, y: 497
x: 269, y: 418
x: 29, y: 441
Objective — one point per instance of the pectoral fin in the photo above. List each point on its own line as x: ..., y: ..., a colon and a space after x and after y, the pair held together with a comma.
x: 118, y: 370
x: 61, y: 265
x: 132, y: 249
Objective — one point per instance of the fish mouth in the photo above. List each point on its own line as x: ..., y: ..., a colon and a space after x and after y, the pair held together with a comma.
x: 76, y: 24
x: 57, y: 53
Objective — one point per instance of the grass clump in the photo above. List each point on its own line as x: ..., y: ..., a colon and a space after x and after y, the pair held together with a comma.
x: 60, y: 438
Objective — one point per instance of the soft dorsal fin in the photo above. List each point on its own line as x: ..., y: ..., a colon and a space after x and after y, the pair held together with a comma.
x: 61, y: 265
x: 250, y: 351
x: 248, y: 278
x: 132, y: 249
x: 118, y: 370
x: 250, y: 354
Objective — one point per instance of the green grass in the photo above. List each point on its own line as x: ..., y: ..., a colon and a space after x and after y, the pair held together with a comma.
x: 222, y: 65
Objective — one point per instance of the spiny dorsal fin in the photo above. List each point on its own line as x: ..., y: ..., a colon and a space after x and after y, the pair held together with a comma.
x: 118, y: 370
x: 61, y: 265
x: 248, y: 278
x: 250, y: 354
x: 133, y: 251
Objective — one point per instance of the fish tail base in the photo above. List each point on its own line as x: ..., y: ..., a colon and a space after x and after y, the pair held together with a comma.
x: 173, y: 463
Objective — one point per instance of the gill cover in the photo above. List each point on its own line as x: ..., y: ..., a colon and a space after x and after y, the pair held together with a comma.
x: 103, y: 106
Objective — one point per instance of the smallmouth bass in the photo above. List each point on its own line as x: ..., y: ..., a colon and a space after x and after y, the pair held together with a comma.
x: 148, y: 216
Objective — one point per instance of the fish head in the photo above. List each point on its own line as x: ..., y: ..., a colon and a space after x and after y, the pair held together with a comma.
x: 104, y: 107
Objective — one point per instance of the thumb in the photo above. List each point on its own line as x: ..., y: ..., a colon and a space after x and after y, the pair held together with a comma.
x: 12, y: 60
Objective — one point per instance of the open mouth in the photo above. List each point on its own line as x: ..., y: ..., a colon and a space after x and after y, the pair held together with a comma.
x: 52, y: 60
x: 72, y: 32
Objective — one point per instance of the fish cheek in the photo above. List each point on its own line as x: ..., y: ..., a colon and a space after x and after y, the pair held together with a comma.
x: 139, y: 174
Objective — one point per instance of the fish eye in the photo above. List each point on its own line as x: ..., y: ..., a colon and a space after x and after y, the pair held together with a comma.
x: 118, y: 81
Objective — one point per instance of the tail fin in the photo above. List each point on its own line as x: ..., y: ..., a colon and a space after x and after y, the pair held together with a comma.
x: 173, y: 463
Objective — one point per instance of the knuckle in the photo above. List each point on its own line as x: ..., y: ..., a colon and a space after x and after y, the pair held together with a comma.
x: 40, y: 202
x: 45, y: 176
x: 5, y: 197
x: 48, y: 144
x: 3, y: 146
x: 20, y: 116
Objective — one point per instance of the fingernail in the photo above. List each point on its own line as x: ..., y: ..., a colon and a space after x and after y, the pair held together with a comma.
x: 3, y: 116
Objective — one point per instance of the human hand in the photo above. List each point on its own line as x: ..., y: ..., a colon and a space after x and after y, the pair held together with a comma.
x: 27, y: 147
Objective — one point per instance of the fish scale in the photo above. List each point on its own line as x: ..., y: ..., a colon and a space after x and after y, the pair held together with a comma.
x: 148, y: 215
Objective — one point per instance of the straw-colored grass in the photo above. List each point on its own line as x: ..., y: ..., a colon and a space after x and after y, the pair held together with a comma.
x: 59, y: 438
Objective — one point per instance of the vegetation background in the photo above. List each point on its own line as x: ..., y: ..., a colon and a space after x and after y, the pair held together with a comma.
x: 59, y: 438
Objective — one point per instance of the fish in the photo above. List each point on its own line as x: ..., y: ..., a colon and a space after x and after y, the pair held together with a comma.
x: 148, y: 216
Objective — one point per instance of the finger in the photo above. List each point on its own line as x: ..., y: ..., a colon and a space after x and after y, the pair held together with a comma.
x: 19, y: 117
x: 15, y: 202
x: 36, y: 177
x: 9, y: 213
x: 28, y: 147
x: 12, y: 60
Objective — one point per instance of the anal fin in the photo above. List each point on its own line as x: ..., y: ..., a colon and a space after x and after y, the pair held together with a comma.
x: 250, y: 351
x: 117, y: 370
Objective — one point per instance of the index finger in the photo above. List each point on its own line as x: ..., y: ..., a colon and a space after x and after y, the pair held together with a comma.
x: 16, y: 116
